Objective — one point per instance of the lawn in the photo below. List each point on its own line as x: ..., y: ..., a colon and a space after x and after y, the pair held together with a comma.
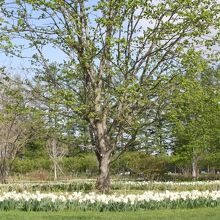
x: 175, y: 214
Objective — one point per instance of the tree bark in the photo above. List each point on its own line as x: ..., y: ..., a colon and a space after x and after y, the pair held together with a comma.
x: 194, y: 167
x: 103, y: 152
x: 3, y: 172
x: 55, y: 170
x: 103, y: 180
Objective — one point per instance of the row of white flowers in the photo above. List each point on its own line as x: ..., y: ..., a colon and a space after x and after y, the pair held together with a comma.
x: 114, y: 198
x: 193, y: 183
x: 112, y: 202
x: 137, y: 183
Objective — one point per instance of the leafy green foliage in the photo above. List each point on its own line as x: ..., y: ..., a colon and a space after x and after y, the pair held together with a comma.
x: 195, y: 114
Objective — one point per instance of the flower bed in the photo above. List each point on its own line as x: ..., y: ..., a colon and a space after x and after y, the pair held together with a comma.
x: 89, y: 185
x: 92, y: 201
x: 172, y: 186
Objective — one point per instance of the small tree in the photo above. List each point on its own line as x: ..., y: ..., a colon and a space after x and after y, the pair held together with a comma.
x: 15, y: 127
x: 56, y: 150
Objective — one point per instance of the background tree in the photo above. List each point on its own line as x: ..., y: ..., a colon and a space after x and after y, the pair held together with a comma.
x: 56, y: 151
x: 194, y: 113
x: 15, y: 123
x: 117, y: 54
x: 58, y: 129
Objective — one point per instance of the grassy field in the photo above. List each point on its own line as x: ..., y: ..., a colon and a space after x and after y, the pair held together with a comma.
x: 176, y: 214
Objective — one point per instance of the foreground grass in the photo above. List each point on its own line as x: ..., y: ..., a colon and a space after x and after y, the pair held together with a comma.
x: 175, y: 214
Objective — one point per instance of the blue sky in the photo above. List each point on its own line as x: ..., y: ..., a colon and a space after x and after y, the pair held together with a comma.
x: 16, y: 65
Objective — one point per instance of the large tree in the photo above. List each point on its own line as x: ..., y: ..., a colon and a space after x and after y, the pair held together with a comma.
x: 117, y: 53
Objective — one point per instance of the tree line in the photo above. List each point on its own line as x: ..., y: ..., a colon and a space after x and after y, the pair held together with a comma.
x: 182, y: 138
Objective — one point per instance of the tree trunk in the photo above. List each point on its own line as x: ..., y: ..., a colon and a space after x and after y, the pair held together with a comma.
x: 55, y: 170
x: 102, y: 143
x: 194, y: 167
x: 103, y: 180
x: 3, y: 172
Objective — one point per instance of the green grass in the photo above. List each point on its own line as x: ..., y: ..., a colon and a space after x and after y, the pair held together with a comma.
x: 175, y: 214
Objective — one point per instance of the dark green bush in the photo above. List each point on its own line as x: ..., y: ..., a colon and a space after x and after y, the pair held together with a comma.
x: 86, y: 164
x: 28, y: 165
